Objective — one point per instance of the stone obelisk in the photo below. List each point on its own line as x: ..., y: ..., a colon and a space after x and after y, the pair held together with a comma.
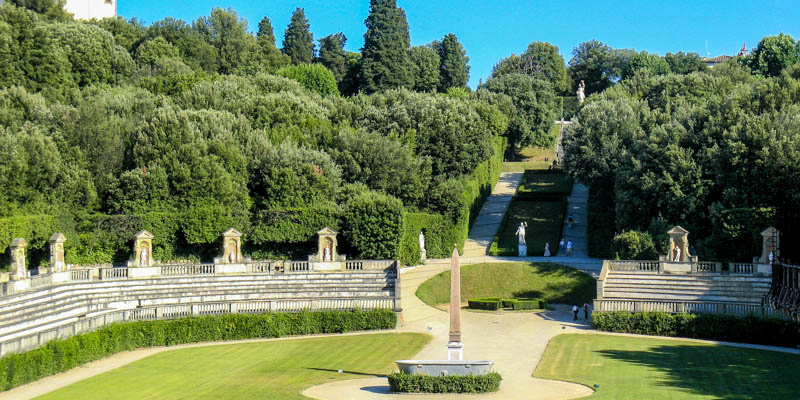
x: 455, y: 349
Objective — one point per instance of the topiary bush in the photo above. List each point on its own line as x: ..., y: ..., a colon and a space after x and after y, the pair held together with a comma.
x: 406, y: 383
x: 493, y: 303
x: 528, y: 304
x: 61, y: 355
x: 373, y: 223
x: 730, y: 328
x: 313, y: 77
x: 496, y: 303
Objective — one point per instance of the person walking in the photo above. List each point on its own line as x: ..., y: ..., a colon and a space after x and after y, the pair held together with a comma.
x: 561, y: 246
x: 575, y: 312
x: 570, y: 221
x: 569, y: 248
x: 586, y: 311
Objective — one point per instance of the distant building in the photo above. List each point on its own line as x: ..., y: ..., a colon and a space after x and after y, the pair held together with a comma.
x: 712, y: 61
x: 88, y: 9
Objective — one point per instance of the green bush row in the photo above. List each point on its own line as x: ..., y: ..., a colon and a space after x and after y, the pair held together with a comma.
x: 729, y: 328
x: 569, y: 107
x: 61, y: 355
x: 406, y: 383
x: 496, y: 303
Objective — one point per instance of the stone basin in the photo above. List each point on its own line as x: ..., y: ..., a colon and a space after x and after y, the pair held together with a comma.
x: 444, y: 367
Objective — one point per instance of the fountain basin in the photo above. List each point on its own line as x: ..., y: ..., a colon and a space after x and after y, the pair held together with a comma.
x: 444, y: 367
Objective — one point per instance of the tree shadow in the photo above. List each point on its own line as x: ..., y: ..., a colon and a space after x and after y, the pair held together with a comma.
x: 719, y: 371
x: 347, y: 372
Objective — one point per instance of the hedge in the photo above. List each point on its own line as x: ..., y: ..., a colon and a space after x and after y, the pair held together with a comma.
x: 729, y: 328
x: 496, y: 303
x: 61, y: 355
x: 439, y: 237
x: 406, y: 383
x: 569, y: 107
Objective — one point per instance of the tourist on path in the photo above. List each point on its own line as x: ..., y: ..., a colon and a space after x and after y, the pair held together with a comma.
x: 569, y: 248
x: 586, y: 311
x: 561, y: 246
x: 571, y: 220
x: 575, y: 312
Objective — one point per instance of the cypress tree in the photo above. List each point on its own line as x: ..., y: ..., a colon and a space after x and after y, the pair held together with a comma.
x: 385, y: 61
x: 298, y: 42
x: 453, y: 70
x: 265, y: 35
x: 333, y: 56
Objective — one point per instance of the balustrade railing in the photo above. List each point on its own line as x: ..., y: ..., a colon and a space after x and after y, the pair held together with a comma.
x: 676, y: 307
x: 113, y: 273
x: 298, y: 266
x: 741, y: 268
x: 79, y: 275
x: 187, y: 269
x: 633, y: 265
x: 40, y: 281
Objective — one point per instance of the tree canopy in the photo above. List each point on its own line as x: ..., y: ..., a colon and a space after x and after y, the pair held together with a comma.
x: 298, y: 42
x: 385, y: 61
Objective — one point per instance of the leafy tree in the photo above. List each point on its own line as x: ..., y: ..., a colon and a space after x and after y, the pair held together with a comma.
x: 374, y: 224
x: 333, y: 56
x: 312, y: 77
x: 50, y: 9
x: 454, y: 63
x: 195, y: 51
x: 298, y: 42
x: 265, y: 34
x: 126, y: 32
x: 91, y: 52
x: 653, y: 63
x: 227, y: 33
x: 154, y: 49
x: 426, y: 68
x: 773, y: 54
x: 541, y: 60
x: 685, y: 63
x: 594, y: 63
x: 385, y: 62
x: 534, y: 108
x: 634, y: 245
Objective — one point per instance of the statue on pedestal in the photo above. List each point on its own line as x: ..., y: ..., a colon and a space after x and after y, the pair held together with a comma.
x: 423, y: 254
x: 581, y: 92
x: 521, y: 233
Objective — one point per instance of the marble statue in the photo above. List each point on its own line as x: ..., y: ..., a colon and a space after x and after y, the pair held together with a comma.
x: 326, y: 256
x: 423, y: 253
x: 521, y: 232
x: 677, y: 254
x: 771, y: 257
x: 547, y: 249
x: 581, y: 92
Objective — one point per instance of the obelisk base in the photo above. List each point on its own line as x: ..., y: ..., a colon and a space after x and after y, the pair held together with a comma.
x: 455, y: 351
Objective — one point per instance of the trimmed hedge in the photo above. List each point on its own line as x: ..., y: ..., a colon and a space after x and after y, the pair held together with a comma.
x: 728, y: 328
x: 405, y: 383
x: 496, y: 303
x: 61, y: 355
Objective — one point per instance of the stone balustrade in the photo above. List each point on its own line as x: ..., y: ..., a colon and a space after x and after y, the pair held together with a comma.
x: 686, y: 267
x: 97, y: 320
x: 677, y: 307
x: 77, y: 274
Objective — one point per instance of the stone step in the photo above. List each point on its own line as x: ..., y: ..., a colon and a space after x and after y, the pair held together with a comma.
x: 683, y: 297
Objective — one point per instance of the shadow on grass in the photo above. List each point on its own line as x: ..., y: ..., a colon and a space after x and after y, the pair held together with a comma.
x: 719, y: 371
x: 347, y: 372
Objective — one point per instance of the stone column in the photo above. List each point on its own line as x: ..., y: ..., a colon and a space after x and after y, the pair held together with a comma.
x: 19, y: 266
x: 57, y: 263
x: 455, y: 349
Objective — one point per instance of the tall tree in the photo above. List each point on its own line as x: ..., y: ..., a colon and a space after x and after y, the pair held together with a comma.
x: 227, y: 33
x: 265, y: 35
x: 385, y: 62
x: 298, y: 42
x: 773, y: 54
x: 453, y: 67
x: 541, y: 60
x: 594, y: 63
x: 426, y: 68
x: 333, y: 56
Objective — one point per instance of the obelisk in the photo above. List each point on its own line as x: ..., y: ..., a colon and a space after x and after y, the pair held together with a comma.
x: 454, y: 346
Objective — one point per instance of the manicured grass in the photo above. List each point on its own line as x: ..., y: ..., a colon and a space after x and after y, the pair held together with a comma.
x: 545, y: 182
x: 645, y: 368
x: 522, y: 166
x: 544, y: 219
x: 556, y: 283
x: 267, y: 370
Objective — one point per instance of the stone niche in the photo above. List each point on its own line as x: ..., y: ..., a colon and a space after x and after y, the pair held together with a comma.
x: 327, y: 256
x: 57, y: 263
x: 678, y: 245
x: 143, y: 250
x: 19, y: 266
x: 231, y: 247
x: 770, y: 243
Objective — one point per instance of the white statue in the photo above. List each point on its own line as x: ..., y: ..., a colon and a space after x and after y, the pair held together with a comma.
x: 677, y: 254
x: 326, y: 254
x: 521, y: 232
x: 581, y: 92
x: 771, y: 257
x: 547, y: 249
x: 143, y: 258
x: 423, y: 253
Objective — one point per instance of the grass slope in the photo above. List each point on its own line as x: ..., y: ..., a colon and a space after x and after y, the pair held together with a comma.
x: 267, y: 370
x: 557, y: 284
x: 645, y: 368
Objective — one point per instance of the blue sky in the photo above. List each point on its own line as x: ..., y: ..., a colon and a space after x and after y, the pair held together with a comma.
x: 493, y: 29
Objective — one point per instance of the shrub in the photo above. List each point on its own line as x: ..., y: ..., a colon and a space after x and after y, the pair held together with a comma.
x: 634, y: 245
x: 731, y: 328
x: 312, y: 77
x: 486, y: 304
x: 528, y: 304
x: 402, y: 382
x: 373, y: 223
x: 60, y: 355
x: 439, y: 237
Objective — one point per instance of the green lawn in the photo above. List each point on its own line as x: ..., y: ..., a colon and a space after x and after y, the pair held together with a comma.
x: 545, y: 182
x: 645, y: 368
x: 556, y: 283
x: 267, y: 370
x: 544, y: 219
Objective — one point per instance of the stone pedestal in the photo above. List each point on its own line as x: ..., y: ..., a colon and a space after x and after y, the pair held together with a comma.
x: 522, y: 250
x: 455, y: 351
x: 221, y: 269
x: 144, y: 272
x: 327, y: 266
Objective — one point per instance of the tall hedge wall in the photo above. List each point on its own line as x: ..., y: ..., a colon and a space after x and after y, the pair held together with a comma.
x: 61, y: 355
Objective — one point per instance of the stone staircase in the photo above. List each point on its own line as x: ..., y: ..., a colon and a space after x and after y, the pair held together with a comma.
x: 661, y: 287
x: 48, y: 308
